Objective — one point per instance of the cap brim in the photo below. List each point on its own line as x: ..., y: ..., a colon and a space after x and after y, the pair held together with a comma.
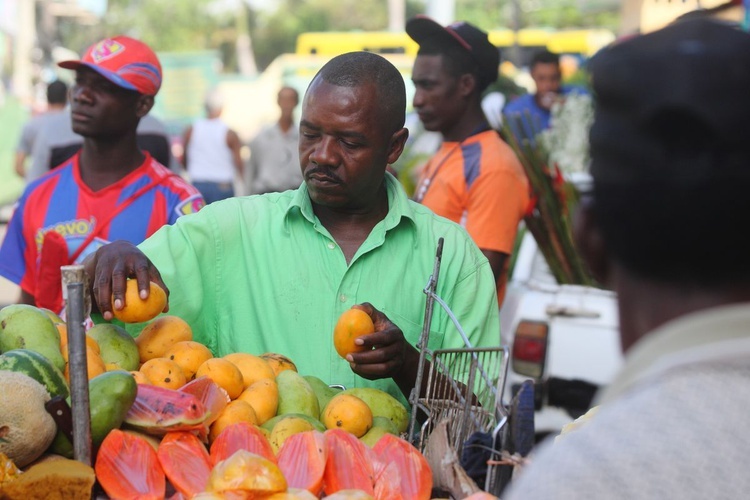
x: 109, y: 75
x: 421, y: 28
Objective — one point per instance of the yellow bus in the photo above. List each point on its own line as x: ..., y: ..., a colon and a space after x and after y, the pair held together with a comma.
x: 577, y: 42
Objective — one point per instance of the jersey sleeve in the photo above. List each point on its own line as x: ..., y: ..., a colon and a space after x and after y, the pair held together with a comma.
x: 497, y: 201
x: 16, y: 251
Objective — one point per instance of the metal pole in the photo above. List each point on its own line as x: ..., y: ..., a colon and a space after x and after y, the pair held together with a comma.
x: 422, y: 345
x: 77, y: 366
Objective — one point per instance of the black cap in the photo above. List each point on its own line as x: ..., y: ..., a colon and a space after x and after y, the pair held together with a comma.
x: 467, y: 36
x: 673, y: 106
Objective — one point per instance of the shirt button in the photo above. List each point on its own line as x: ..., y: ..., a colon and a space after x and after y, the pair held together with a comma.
x: 342, y: 297
x: 331, y: 245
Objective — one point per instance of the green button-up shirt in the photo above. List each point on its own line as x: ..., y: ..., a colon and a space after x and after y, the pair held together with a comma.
x: 261, y: 274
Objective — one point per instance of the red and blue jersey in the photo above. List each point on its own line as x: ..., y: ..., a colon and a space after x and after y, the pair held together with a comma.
x: 60, y: 201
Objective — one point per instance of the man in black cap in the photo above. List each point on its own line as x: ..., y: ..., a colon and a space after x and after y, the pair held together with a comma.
x: 665, y: 229
x: 475, y: 179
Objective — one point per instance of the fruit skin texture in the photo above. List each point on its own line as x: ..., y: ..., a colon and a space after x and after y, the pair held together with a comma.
x: 253, y: 368
x: 25, y: 426
x: 163, y: 372
x: 348, y: 412
x: 94, y: 363
x: 287, y: 426
x: 296, y: 395
x: 224, y: 373
x: 382, y: 404
x: 137, y: 310
x: 373, y: 436
x: 236, y: 411
x: 25, y: 327
x: 263, y: 396
x: 269, y: 424
x: 37, y: 367
x: 160, y: 335
x: 116, y: 346
x: 189, y: 355
x: 322, y: 391
x: 278, y: 362
x: 353, y: 323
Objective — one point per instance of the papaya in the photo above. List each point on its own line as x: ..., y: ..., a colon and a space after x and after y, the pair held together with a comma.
x: 296, y: 395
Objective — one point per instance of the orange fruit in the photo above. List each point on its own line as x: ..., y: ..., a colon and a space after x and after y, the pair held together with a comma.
x: 347, y: 412
x: 160, y: 335
x: 90, y: 341
x: 263, y: 396
x: 224, y: 374
x: 278, y: 362
x: 253, y: 368
x: 189, y: 355
x: 94, y: 363
x: 353, y: 323
x: 163, y: 372
x: 137, y: 310
x: 140, y: 378
x: 236, y: 411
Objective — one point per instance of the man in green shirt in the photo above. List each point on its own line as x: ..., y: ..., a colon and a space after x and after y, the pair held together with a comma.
x: 274, y: 272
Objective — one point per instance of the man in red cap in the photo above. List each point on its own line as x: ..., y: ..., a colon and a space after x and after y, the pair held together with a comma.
x: 110, y: 190
x: 475, y: 178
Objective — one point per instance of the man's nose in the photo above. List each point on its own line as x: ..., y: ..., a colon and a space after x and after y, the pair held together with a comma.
x: 80, y: 93
x: 418, y: 99
x: 324, y: 151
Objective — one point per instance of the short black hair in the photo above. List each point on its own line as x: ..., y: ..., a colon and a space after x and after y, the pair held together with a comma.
x: 544, y: 57
x: 456, y: 60
x: 57, y: 92
x: 354, y: 69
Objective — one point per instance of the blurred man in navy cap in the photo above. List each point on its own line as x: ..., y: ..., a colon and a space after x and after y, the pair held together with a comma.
x: 475, y: 179
x: 665, y: 228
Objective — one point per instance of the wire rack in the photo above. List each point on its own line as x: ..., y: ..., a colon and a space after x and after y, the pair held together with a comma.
x: 464, y: 387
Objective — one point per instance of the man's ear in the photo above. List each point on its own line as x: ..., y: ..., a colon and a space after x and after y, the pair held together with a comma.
x: 396, y: 145
x: 590, y: 243
x: 144, y: 105
x: 467, y: 83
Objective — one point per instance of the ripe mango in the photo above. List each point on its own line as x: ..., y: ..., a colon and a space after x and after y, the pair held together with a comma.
x: 296, y: 395
x: 382, y: 404
x: 286, y: 427
x: 158, y: 336
x: 373, y: 435
x: 269, y: 424
x: 26, y: 327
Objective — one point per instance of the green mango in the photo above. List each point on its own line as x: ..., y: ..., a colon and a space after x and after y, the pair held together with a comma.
x: 116, y: 346
x: 296, y: 395
x: 323, y: 392
x: 382, y: 404
x: 111, y: 395
x: 386, y: 424
x: 27, y: 327
x: 373, y: 435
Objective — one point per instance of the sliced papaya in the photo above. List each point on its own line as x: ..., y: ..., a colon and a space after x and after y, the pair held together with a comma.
x: 241, y: 436
x: 412, y: 468
x: 128, y: 467
x: 302, y: 459
x: 349, y: 463
x: 185, y: 462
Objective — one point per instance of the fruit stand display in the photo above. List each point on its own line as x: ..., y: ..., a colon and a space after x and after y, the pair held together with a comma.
x: 164, y: 418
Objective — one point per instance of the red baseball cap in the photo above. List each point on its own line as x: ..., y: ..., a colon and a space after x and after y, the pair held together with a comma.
x: 125, y: 61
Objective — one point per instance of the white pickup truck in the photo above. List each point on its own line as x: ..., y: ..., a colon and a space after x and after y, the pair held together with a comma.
x: 563, y: 337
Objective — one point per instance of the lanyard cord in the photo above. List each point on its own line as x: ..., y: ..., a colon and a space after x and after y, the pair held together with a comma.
x: 424, y: 184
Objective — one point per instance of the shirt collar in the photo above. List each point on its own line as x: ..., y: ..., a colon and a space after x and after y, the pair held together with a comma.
x: 398, y: 205
x: 719, y: 334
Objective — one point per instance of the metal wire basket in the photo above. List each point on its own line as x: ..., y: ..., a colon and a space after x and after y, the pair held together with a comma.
x: 464, y: 387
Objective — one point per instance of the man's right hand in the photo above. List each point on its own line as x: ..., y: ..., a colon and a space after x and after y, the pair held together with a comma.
x: 110, y: 267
